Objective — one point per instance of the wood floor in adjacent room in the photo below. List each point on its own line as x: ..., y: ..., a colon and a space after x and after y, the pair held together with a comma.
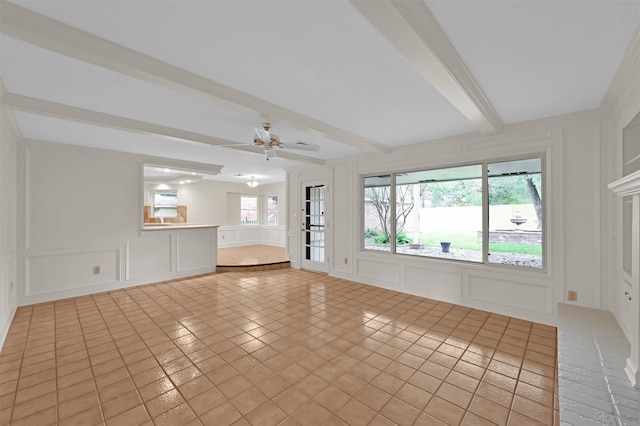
x: 282, y: 347
x: 258, y: 254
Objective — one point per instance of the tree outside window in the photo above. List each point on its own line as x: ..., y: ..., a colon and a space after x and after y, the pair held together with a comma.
x: 377, y: 212
x: 271, y: 214
x: 515, y: 212
x: 248, y: 209
x: 439, y: 213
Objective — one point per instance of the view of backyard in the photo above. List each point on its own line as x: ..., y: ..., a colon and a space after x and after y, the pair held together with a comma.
x: 439, y: 213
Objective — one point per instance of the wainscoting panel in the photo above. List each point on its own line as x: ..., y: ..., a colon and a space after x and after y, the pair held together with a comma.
x: 246, y: 235
x: 430, y: 283
x: 55, y: 271
x: 227, y: 237
x: 526, y: 296
x: 272, y: 235
x: 294, y: 250
x: 151, y: 255
x: 382, y: 274
x: 195, y: 250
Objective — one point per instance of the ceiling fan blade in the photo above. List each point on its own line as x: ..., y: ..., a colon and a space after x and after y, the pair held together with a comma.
x: 282, y: 154
x: 247, y: 148
x: 263, y: 135
x: 305, y: 146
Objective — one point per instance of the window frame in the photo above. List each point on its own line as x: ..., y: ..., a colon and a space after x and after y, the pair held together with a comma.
x: 266, y: 210
x: 158, y: 209
x: 542, y: 156
x: 257, y: 210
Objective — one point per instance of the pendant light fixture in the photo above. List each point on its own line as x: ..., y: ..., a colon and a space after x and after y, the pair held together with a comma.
x: 252, y: 183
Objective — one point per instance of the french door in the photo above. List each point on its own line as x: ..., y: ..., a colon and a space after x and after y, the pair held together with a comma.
x: 314, y: 225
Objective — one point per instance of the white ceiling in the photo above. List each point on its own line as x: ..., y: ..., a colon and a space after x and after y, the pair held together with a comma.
x: 176, y: 78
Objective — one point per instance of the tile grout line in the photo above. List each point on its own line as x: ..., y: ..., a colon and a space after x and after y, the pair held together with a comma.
x: 614, y: 407
x: 395, y: 314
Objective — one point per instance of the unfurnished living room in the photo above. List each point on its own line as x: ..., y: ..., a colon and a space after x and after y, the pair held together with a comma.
x: 320, y: 212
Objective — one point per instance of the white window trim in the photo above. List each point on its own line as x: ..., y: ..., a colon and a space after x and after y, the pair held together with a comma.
x: 485, y: 207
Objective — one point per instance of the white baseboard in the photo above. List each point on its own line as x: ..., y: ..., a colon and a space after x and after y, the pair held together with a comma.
x: 7, y: 326
x: 632, y: 373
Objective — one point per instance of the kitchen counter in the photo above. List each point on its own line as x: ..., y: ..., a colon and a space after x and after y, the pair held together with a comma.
x: 174, y: 226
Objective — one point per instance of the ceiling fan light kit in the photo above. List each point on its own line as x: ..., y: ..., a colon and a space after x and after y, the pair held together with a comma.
x: 264, y: 138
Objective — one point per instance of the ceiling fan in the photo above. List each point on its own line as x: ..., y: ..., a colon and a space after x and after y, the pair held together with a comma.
x: 263, y: 138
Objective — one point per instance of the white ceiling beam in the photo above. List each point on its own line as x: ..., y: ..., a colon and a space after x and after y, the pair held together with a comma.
x: 147, y: 160
x: 66, y: 112
x: 80, y: 115
x: 416, y: 34
x: 42, y: 31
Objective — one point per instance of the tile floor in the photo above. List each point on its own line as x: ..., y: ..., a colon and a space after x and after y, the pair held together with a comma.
x: 258, y: 254
x: 285, y: 347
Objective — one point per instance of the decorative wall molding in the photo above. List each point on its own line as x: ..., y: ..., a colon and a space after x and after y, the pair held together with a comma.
x: 626, y: 186
x: 189, y: 259
x: 61, y: 239
x: 26, y: 193
x: 69, y: 256
x: 9, y: 118
x: 245, y: 235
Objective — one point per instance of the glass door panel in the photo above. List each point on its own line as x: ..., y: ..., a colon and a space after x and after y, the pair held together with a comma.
x: 314, y: 227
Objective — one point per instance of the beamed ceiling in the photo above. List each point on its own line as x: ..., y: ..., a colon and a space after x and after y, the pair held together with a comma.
x: 189, y: 80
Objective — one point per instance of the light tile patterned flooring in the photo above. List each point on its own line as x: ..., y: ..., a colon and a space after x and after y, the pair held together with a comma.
x: 258, y: 254
x: 284, y: 347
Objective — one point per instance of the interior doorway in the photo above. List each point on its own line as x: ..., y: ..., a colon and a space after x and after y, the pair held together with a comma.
x: 314, y: 227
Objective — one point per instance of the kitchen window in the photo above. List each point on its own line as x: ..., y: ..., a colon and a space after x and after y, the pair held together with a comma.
x: 165, y: 204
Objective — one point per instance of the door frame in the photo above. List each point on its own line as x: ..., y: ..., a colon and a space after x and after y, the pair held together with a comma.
x: 310, y: 264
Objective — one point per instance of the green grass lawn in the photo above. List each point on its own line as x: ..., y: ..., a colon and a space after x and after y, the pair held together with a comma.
x: 467, y: 240
x: 515, y: 248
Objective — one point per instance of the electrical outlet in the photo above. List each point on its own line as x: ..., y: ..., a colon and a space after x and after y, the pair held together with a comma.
x: 346, y: 260
x: 12, y: 284
x: 572, y: 296
x: 96, y: 270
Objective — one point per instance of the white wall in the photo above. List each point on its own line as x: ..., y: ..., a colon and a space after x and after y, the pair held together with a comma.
x: 571, y: 145
x: 233, y: 234
x: 79, y: 208
x: 218, y: 203
x: 9, y: 137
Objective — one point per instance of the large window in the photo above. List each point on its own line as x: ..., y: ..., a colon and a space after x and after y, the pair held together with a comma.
x: 271, y: 210
x: 487, y: 212
x: 377, y: 213
x: 248, y: 209
x: 515, y: 212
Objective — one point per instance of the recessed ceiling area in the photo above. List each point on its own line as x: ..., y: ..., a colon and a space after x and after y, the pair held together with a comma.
x: 190, y: 80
